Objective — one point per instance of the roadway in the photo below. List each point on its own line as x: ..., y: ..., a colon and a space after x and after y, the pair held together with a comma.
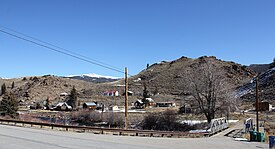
x: 30, y: 138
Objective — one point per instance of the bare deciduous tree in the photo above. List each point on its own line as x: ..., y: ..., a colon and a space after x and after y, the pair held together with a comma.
x: 210, y: 89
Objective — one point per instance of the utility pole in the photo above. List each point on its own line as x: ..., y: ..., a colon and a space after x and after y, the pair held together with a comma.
x: 126, y: 98
x: 257, y: 104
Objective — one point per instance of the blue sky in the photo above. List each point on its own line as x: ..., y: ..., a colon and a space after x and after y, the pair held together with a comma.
x: 133, y: 33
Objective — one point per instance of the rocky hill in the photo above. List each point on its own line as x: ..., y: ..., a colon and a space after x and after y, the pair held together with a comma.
x: 166, y: 77
x: 266, y: 77
x: 39, y: 88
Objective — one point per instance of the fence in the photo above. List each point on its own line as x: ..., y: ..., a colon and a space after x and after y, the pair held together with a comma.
x: 113, y: 131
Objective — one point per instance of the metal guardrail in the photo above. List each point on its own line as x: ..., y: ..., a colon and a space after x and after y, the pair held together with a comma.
x: 217, y: 125
x: 114, y: 131
x: 248, y: 125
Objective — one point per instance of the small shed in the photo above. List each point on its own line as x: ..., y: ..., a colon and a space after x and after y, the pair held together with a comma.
x: 90, y: 105
x: 114, y: 108
x: 150, y: 101
x: 264, y: 106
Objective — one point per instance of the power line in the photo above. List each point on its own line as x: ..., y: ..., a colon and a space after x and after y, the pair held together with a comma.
x: 62, y: 51
x: 74, y: 53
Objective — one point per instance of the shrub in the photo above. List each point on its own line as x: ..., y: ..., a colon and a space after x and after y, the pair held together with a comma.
x: 86, y: 117
x: 166, y: 121
x: 151, y: 121
x: 114, y: 119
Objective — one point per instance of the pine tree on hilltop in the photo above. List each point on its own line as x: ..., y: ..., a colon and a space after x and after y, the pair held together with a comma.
x: 12, y: 85
x: 9, y: 105
x: 3, y: 89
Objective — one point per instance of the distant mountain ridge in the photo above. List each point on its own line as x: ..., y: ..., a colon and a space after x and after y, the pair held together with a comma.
x: 95, y: 78
x: 262, y: 68
x: 259, y: 68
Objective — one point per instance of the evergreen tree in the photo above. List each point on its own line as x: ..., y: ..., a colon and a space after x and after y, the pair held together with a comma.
x: 47, y: 105
x: 272, y: 65
x: 38, y: 105
x: 147, y: 66
x: 156, y: 91
x: 3, y: 89
x: 12, y: 85
x: 78, y: 103
x: 73, y: 98
x: 145, y: 92
x: 145, y: 95
x: 9, y: 105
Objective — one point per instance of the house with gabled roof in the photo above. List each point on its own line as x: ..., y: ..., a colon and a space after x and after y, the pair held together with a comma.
x: 111, y: 93
x: 63, y: 106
